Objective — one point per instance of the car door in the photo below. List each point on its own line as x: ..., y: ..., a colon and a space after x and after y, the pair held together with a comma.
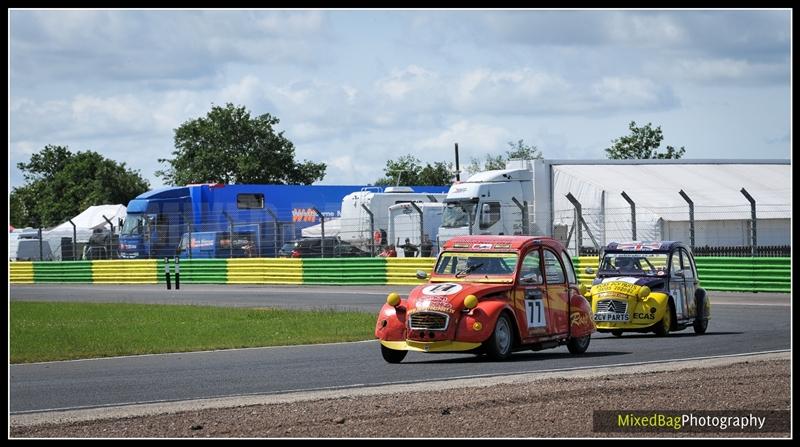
x: 557, y: 292
x: 530, y: 296
x: 689, y: 282
x: 677, y: 287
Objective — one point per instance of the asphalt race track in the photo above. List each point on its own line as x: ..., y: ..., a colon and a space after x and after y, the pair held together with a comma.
x: 741, y: 323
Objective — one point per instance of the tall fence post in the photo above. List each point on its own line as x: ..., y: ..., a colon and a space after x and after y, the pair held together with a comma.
x: 111, y: 238
x: 74, y: 241
x: 230, y: 233
x: 191, y: 240
x: 579, y: 222
x: 753, y: 240
x: 41, y: 249
x: 691, y: 217
x: 523, y: 207
x: 421, y: 226
x: 633, y: 213
x: 371, y: 229
x: 322, y: 241
x: 275, y: 226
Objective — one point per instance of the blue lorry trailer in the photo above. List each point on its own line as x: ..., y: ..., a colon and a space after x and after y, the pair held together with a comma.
x: 221, y: 221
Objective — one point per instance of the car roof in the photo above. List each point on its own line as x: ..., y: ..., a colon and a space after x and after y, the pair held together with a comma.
x: 499, y: 243
x: 638, y: 246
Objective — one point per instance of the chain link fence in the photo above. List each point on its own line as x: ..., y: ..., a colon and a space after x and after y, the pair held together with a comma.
x: 409, y: 232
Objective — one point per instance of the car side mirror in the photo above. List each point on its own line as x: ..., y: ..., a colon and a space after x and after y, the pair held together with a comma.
x: 589, y: 270
x: 421, y: 274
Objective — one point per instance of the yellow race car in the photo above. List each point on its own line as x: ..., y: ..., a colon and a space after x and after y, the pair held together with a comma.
x: 648, y: 286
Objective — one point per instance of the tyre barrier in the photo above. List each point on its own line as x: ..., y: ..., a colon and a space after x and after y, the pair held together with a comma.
x: 718, y: 273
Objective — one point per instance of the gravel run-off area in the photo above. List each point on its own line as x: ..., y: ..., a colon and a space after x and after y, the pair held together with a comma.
x: 551, y: 405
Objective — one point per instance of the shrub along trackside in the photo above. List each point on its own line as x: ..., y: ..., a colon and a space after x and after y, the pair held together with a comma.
x: 43, y: 331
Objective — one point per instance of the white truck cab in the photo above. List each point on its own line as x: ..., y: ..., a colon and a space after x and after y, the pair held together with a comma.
x: 490, y: 202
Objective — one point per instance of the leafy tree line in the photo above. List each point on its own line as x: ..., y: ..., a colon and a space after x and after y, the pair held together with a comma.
x: 407, y: 170
x: 642, y: 143
x: 61, y: 184
x: 229, y: 146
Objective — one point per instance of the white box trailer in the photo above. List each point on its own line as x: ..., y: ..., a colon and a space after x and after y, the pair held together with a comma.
x: 355, y: 225
x: 404, y: 224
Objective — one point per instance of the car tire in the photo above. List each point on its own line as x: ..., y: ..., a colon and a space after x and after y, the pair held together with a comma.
x: 578, y: 345
x: 500, y: 344
x: 700, y: 322
x: 392, y: 355
x: 700, y: 326
x: 662, y: 327
x: 616, y: 333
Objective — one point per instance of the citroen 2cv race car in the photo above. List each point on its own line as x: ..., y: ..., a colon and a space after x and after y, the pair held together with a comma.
x: 648, y: 286
x: 492, y: 295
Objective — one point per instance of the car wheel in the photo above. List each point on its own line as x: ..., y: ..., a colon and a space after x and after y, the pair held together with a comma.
x: 662, y: 327
x: 498, y: 346
x: 616, y: 333
x: 700, y: 326
x: 578, y: 345
x: 393, y: 355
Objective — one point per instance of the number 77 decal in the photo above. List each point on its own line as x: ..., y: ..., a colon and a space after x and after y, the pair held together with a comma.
x: 535, y: 312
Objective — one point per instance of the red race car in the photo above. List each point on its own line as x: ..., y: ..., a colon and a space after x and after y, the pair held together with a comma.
x: 492, y: 295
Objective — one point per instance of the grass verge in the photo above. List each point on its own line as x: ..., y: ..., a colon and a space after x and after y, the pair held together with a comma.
x: 45, y: 331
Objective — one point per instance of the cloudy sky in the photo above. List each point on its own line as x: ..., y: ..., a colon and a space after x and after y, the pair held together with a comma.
x: 355, y: 88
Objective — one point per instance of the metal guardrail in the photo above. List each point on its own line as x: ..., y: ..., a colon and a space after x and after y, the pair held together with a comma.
x: 745, y: 274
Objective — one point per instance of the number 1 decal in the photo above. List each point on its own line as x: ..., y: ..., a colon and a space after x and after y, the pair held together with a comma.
x: 535, y: 311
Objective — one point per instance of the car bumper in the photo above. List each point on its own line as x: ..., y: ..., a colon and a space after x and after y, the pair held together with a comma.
x: 430, y: 346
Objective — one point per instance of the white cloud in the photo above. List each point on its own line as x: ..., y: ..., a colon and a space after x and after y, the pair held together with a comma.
x: 628, y: 92
x: 645, y: 29
x: 512, y: 91
x: 472, y: 136
x: 710, y: 70
x: 402, y: 83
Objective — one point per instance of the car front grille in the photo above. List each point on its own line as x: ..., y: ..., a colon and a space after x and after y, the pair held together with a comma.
x: 428, y: 320
x: 614, y: 306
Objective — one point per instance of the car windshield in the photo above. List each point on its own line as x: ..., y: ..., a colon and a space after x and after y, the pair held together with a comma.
x: 289, y: 246
x: 458, y: 214
x: 633, y: 264
x: 486, y: 265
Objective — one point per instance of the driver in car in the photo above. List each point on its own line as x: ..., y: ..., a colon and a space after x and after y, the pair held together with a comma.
x: 625, y: 264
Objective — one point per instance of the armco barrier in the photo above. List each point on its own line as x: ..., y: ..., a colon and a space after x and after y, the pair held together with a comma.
x: 744, y: 274
x: 60, y: 272
x: 20, y: 272
x: 580, y: 264
x: 265, y: 271
x: 722, y: 273
x: 124, y: 271
x: 404, y: 270
x: 344, y: 271
x: 196, y: 271
x: 716, y: 273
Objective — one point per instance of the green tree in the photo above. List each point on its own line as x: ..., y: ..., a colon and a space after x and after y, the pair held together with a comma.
x: 642, y: 143
x: 519, y: 151
x: 229, y: 146
x: 60, y: 184
x: 407, y: 170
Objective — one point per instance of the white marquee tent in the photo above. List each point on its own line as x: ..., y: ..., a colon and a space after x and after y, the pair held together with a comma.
x: 721, y: 212
x: 85, y: 223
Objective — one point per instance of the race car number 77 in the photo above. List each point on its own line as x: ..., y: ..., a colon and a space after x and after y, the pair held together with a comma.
x: 535, y: 312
